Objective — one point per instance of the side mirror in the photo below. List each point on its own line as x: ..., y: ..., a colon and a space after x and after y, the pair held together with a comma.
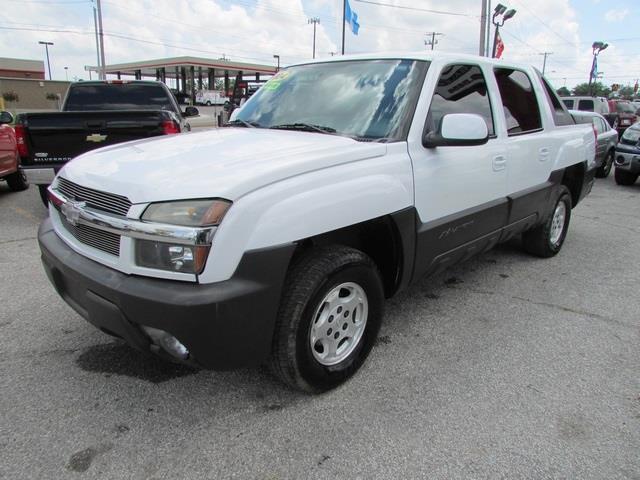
x: 5, y: 117
x: 458, y: 130
x: 191, y: 112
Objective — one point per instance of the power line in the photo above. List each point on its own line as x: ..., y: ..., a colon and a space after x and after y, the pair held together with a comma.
x: 416, y: 9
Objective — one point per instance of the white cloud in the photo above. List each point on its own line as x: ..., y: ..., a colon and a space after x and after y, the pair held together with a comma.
x: 254, y: 30
x: 616, y: 15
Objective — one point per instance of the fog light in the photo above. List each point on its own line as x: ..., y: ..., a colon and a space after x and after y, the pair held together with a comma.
x: 168, y: 342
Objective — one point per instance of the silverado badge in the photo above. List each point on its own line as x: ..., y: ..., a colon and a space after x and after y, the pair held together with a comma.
x: 96, y: 138
x: 71, y: 211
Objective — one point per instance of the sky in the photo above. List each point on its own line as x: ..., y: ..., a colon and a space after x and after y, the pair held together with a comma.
x: 254, y: 30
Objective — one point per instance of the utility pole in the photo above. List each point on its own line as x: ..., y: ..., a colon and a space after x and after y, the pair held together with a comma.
x: 314, y: 21
x: 103, y: 73
x: 95, y: 26
x: 433, y: 40
x: 483, y: 28
x: 344, y: 13
x: 46, y: 48
x: 66, y: 73
x: 544, y: 62
x: 487, y: 42
x: 277, y: 57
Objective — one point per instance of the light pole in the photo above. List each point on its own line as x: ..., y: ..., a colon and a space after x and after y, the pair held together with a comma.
x: 66, y: 73
x: 315, y: 21
x: 278, y: 58
x: 502, y: 11
x: 46, y: 48
x: 596, y: 48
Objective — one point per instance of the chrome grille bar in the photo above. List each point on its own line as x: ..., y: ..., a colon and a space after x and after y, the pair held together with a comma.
x: 107, y: 202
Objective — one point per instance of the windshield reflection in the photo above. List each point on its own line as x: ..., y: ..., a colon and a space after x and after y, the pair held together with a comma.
x: 364, y: 99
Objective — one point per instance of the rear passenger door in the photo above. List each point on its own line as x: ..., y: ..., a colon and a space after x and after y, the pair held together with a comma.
x: 530, y: 150
x: 459, y: 191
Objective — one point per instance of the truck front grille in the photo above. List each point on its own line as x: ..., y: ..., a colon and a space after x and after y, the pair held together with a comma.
x: 106, y: 202
x: 105, y: 241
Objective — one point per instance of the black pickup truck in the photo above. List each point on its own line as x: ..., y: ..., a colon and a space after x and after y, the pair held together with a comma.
x: 94, y: 115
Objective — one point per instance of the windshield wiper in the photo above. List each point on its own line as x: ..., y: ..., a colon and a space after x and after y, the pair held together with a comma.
x: 304, y: 127
x: 242, y: 123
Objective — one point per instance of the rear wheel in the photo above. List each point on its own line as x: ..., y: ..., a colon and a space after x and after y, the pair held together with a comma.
x: 328, y: 320
x: 546, y: 240
x: 625, y: 178
x: 604, y: 170
x: 17, y: 181
x: 208, y: 104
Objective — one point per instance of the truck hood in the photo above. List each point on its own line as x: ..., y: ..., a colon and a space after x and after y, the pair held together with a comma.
x: 225, y: 163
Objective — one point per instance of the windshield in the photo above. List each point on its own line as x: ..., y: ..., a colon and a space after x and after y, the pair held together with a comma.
x: 623, y: 107
x: 631, y: 135
x: 125, y: 96
x: 368, y: 100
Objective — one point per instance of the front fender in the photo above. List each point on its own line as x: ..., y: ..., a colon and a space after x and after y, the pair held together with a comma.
x: 310, y: 204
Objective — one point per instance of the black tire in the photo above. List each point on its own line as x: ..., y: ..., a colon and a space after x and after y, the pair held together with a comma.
x: 208, y: 104
x: 538, y: 241
x: 624, y: 178
x: 17, y: 181
x: 310, y: 279
x: 604, y: 170
x: 43, y: 194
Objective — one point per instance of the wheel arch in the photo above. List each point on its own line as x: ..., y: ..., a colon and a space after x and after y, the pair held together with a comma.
x: 388, y: 240
x: 573, y: 178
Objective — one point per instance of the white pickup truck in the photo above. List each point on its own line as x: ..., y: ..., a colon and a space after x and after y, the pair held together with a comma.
x: 338, y: 184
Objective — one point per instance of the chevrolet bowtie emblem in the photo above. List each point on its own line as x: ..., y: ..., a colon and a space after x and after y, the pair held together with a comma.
x: 96, y: 137
x: 71, y: 211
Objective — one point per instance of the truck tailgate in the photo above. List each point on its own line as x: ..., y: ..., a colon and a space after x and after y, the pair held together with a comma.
x: 60, y: 136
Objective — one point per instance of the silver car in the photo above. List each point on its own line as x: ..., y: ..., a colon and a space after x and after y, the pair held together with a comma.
x: 607, y: 140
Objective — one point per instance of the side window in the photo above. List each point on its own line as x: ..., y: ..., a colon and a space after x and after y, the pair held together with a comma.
x: 519, y: 101
x: 604, y: 125
x: 568, y: 103
x: 598, y: 124
x: 460, y: 89
x: 560, y: 114
x: 586, y: 105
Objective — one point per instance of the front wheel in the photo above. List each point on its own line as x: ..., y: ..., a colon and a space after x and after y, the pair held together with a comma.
x: 328, y: 320
x: 625, y: 178
x: 604, y: 170
x: 546, y: 240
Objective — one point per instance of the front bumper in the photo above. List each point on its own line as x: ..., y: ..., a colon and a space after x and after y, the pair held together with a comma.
x: 628, y: 161
x: 40, y: 175
x: 223, y: 325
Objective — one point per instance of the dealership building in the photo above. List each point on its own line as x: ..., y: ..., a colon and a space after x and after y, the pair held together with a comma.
x: 21, y: 68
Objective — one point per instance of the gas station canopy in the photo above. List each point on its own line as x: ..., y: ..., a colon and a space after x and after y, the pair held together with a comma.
x: 193, y: 68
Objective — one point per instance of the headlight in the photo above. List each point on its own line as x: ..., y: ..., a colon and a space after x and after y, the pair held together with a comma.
x: 177, y: 257
x: 188, y: 213
x: 167, y: 256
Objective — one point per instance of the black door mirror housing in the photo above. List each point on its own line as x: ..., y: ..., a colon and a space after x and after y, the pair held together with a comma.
x: 191, y: 112
x: 5, y: 118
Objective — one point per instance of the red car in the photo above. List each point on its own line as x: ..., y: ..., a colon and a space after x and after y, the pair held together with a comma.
x: 9, y: 157
x: 625, y: 115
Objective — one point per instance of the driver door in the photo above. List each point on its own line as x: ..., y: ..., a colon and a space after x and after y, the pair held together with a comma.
x: 460, y: 192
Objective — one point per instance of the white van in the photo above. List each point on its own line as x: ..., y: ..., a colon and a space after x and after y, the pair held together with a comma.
x: 210, y: 97
x: 587, y: 104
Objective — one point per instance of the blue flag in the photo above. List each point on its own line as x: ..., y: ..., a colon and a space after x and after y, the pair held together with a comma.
x: 351, y: 18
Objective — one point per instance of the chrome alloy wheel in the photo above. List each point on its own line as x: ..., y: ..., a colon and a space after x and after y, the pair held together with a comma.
x: 338, y: 323
x: 557, y: 223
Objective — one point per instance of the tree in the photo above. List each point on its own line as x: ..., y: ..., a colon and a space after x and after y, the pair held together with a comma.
x: 599, y: 90
x: 563, y: 92
x: 626, y: 92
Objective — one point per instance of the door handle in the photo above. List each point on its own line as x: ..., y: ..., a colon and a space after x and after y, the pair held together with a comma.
x: 499, y: 163
x: 544, y: 154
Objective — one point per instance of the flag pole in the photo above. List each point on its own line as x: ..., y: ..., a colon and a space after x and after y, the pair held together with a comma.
x: 344, y: 9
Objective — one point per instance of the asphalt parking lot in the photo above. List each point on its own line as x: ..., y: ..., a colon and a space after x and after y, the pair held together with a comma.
x: 506, y: 367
